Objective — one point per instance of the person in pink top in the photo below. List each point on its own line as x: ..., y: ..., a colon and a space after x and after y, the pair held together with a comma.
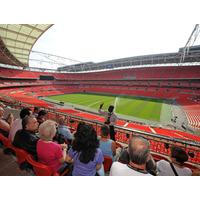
x: 49, y: 152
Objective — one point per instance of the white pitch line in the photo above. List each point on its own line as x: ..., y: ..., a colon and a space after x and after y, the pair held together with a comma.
x: 94, y: 103
x: 153, y: 131
x: 116, y: 102
x: 125, y: 125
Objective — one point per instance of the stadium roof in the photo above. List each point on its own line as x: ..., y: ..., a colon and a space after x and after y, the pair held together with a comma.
x: 17, y: 40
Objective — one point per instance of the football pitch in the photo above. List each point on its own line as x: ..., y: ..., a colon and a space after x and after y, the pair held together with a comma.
x: 144, y: 108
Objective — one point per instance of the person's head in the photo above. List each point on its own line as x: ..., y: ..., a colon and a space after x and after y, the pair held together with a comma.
x: 42, y: 114
x: 86, y: 143
x: 30, y: 123
x: 1, y: 111
x: 62, y: 120
x: 47, y: 130
x: 178, y: 155
x: 36, y: 109
x: 25, y: 112
x: 105, y: 131
x: 110, y: 108
x: 124, y: 156
x: 138, y: 150
x: 80, y: 124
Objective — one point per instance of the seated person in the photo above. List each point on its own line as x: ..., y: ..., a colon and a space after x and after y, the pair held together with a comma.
x: 36, y: 111
x: 64, y: 131
x: 42, y: 116
x: 150, y: 165
x: 17, y: 124
x: 137, y: 155
x: 85, y: 153
x: 49, y: 152
x: 107, y: 146
x: 5, y: 124
x: 175, y: 166
x: 26, y: 138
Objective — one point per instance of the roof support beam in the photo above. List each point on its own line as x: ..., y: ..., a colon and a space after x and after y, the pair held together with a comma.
x: 18, y: 33
x: 22, y: 42
x: 9, y: 46
x: 33, y: 27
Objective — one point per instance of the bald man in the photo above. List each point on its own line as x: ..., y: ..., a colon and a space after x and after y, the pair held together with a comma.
x: 139, y: 154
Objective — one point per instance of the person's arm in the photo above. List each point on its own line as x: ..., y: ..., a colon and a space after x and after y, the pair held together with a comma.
x: 66, y: 157
x: 4, y: 125
x: 10, y: 119
x: 113, y: 147
x: 98, y: 166
x: 100, y: 160
x: 101, y: 111
x: 64, y: 149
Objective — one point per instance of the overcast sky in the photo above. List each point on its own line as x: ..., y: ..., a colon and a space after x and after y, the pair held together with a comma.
x: 91, y: 30
x: 112, y: 38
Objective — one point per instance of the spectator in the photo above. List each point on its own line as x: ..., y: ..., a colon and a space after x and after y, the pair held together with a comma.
x: 63, y: 130
x: 110, y: 119
x: 107, y: 146
x: 5, y: 124
x: 87, y: 157
x: 150, y: 165
x: 42, y: 116
x: 36, y: 111
x: 17, y: 124
x: 139, y: 154
x: 26, y: 137
x: 175, y: 167
x: 49, y: 152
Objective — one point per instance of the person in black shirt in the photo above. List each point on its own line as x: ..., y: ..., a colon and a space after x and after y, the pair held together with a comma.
x: 26, y: 138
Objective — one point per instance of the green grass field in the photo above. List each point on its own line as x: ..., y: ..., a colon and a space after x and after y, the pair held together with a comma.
x: 143, y: 108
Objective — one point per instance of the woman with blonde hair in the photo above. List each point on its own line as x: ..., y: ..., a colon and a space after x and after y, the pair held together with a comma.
x: 49, y: 152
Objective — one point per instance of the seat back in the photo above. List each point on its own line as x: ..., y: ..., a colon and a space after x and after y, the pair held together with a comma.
x: 39, y: 168
x: 5, y: 141
x: 20, y: 154
x: 107, y: 163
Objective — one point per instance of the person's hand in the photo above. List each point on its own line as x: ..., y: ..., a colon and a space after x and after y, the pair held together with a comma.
x: 10, y: 118
x: 64, y: 146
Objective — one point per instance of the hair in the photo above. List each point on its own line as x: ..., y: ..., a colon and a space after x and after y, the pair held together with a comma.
x: 24, y: 112
x: 104, y: 131
x: 36, y: 109
x: 25, y: 120
x: 42, y: 112
x: 138, y: 150
x: 124, y: 156
x: 47, y: 130
x: 80, y: 124
x: 61, y: 120
x: 86, y: 143
x: 111, y: 108
x: 179, y: 154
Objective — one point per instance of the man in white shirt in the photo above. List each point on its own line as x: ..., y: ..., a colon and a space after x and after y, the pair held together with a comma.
x: 17, y: 124
x: 139, y: 154
x: 110, y: 119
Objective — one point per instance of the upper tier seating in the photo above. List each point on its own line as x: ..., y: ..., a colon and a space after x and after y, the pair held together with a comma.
x: 143, y: 73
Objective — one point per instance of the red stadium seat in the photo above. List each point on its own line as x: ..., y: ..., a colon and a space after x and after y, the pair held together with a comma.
x: 39, y: 168
x: 43, y: 170
x: 4, y: 140
x: 20, y: 154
